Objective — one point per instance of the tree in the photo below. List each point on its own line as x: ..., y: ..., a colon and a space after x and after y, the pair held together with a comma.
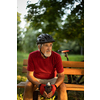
x: 47, y: 15
x: 19, y: 37
x: 29, y: 41
x: 74, y: 27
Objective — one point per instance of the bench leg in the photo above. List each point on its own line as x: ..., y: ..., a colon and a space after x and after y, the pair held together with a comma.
x: 67, y: 94
x: 36, y: 95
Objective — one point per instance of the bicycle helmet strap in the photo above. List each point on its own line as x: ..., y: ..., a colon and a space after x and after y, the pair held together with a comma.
x: 42, y: 52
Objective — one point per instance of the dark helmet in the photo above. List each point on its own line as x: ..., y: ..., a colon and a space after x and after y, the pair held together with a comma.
x: 44, y: 38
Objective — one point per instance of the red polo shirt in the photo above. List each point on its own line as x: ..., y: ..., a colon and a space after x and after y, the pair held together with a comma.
x: 44, y: 68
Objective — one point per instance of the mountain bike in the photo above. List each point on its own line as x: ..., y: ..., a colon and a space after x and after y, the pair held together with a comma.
x: 72, y: 79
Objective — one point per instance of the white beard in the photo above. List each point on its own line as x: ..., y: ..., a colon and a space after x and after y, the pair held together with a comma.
x: 47, y: 55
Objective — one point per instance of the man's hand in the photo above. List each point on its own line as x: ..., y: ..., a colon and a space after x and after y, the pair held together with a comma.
x: 53, y: 89
x: 49, y: 95
x: 45, y: 94
x: 42, y: 88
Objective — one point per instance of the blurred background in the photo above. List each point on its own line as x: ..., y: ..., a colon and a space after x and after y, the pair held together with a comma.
x: 63, y: 19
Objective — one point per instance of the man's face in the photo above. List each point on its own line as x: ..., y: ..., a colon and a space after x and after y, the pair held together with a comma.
x: 46, y: 49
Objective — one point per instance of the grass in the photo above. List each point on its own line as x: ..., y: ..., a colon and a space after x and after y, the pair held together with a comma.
x: 73, y: 57
x: 22, y: 76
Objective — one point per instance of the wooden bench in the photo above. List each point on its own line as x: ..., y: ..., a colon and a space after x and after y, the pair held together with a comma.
x: 70, y: 68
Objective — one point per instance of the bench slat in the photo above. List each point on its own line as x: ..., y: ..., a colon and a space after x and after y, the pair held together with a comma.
x: 73, y: 71
x: 25, y: 62
x: 74, y: 85
x: 73, y: 64
x: 76, y: 89
x: 68, y: 86
x: 24, y: 70
x: 65, y: 63
x: 66, y: 71
x: 21, y: 85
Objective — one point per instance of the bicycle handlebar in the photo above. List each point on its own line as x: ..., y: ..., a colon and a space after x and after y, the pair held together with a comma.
x: 64, y: 51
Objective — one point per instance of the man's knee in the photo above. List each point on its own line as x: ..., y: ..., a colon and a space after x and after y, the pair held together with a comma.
x: 62, y: 86
x: 29, y: 86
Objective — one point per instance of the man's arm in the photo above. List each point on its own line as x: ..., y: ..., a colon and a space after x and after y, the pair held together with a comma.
x: 32, y: 79
x: 60, y: 79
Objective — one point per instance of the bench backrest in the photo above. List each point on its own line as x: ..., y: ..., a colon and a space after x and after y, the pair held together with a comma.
x: 70, y: 67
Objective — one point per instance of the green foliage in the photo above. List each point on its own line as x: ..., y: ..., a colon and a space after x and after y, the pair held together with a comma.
x: 18, y: 18
x: 20, y: 57
x: 20, y: 96
x: 29, y: 41
x: 74, y: 24
x: 47, y: 15
x: 71, y: 45
x: 19, y: 37
x: 21, y: 78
